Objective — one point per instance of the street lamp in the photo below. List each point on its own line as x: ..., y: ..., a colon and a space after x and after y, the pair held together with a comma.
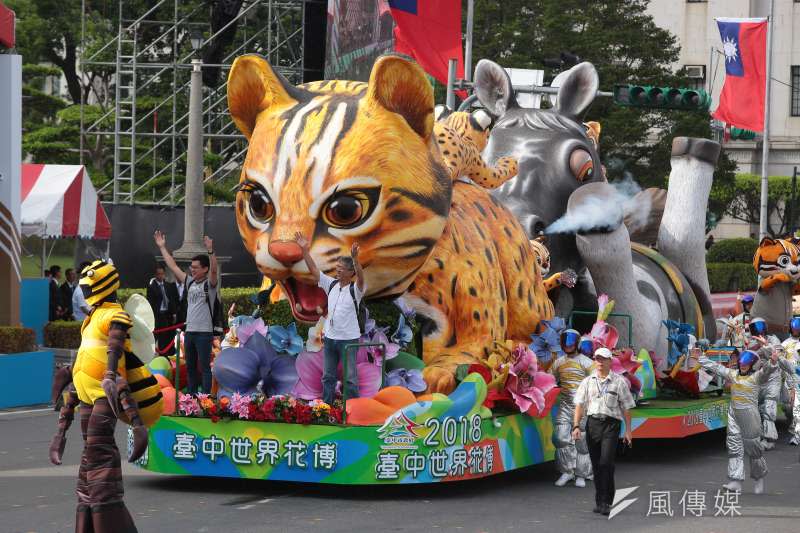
x: 196, y: 39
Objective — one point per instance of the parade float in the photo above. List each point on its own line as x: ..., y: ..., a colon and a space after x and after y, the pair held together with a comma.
x: 341, y: 162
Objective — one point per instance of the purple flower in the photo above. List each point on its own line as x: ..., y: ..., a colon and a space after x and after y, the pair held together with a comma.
x: 240, y: 369
x: 410, y: 379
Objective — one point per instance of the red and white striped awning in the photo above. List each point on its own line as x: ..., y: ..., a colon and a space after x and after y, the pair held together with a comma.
x: 60, y: 201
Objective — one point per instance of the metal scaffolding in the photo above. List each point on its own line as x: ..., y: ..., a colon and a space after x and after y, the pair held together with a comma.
x: 148, y: 120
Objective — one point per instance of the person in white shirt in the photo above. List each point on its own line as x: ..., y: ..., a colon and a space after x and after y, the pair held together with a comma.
x: 605, y: 398
x: 80, y: 309
x: 345, y: 292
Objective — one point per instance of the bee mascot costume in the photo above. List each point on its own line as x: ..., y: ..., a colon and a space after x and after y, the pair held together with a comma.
x: 107, y: 382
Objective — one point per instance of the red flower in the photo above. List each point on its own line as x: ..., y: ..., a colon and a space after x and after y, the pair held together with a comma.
x: 498, y: 398
x: 478, y: 368
x: 214, y: 419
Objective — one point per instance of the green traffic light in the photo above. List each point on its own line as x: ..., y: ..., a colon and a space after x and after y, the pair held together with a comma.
x: 648, y: 96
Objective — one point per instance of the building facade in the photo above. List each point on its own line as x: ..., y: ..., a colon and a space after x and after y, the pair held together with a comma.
x: 693, y: 23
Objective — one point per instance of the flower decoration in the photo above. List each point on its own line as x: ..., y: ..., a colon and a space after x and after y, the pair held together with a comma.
x: 315, y: 334
x: 407, y: 311
x: 376, y: 353
x: 310, y: 367
x: 534, y: 392
x: 188, y: 405
x: 547, y: 344
x: 403, y: 334
x: 241, y: 369
x: 410, y: 379
x: 248, y: 326
x: 239, y: 405
x: 603, y: 333
x: 278, y: 408
x: 286, y: 340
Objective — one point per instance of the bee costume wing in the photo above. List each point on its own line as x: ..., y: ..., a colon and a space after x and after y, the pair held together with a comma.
x: 143, y: 343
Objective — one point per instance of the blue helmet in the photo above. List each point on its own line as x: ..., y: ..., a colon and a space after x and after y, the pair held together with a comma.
x: 747, y: 299
x: 586, y: 347
x: 570, y: 339
x: 748, y: 357
x: 795, y: 323
x: 758, y: 326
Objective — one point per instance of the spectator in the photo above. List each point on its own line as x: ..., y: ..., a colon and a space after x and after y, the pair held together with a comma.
x: 163, y: 298
x: 341, y: 327
x: 606, y: 399
x: 55, y: 299
x: 200, y: 293
x: 80, y: 309
x: 65, y: 293
x: 709, y: 242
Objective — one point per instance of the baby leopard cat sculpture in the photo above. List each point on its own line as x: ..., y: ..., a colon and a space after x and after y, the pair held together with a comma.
x: 462, y: 137
x: 343, y: 162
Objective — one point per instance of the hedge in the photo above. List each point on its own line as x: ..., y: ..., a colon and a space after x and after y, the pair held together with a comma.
x: 732, y: 251
x: 63, y: 334
x: 15, y: 339
x: 730, y: 277
x: 239, y: 296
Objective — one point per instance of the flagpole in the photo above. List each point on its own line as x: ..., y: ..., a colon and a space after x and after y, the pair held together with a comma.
x: 763, y: 221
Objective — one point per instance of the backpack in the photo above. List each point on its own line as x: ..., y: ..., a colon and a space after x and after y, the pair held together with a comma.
x: 361, y: 309
x: 217, y: 316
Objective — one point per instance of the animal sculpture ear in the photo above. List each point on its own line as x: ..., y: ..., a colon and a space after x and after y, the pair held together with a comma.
x: 441, y: 112
x: 578, y: 90
x: 493, y: 87
x: 767, y: 241
x: 253, y: 87
x: 400, y: 86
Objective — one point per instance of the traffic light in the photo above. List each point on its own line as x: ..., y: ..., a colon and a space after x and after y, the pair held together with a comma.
x: 648, y: 96
x: 740, y: 134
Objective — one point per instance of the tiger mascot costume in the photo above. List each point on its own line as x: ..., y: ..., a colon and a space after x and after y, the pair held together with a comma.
x: 777, y: 264
x: 343, y: 162
x: 107, y: 382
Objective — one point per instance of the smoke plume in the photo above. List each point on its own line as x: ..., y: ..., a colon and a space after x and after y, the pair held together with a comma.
x: 625, y: 202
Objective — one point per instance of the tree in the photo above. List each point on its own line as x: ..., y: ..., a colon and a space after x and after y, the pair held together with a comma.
x: 626, y: 46
x: 746, y: 202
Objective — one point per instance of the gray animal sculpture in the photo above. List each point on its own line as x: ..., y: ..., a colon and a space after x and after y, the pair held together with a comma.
x: 652, y: 285
x: 556, y: 159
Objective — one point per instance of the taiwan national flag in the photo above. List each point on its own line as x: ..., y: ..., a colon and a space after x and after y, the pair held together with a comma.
x: 430, y: 32
x: 744, y: 42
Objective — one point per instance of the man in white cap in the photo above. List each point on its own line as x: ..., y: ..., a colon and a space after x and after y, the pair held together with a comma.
x: 606, y: 400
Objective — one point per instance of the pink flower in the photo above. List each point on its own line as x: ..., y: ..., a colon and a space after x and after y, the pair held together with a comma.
x: 528, y: 387
x: 188, y: 405
x: 240, y: 405
x: 309, y: 369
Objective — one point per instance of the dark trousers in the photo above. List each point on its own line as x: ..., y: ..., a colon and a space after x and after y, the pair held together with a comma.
x: 197, y: 346
x: 163, y: 320
x: 601, y: 438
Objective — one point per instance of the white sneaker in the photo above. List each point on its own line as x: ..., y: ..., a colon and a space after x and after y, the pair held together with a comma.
x: 759, y: 488
x: 580, y: 482
x: 564, y: 479
x: 733, y: 486
x: 793, y: 441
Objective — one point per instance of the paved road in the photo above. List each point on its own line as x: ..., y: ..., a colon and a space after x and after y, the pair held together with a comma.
x: 35, y: 496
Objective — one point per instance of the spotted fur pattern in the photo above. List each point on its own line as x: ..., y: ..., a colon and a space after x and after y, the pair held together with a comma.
x: 461, y: 138
x: 458, y: 257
